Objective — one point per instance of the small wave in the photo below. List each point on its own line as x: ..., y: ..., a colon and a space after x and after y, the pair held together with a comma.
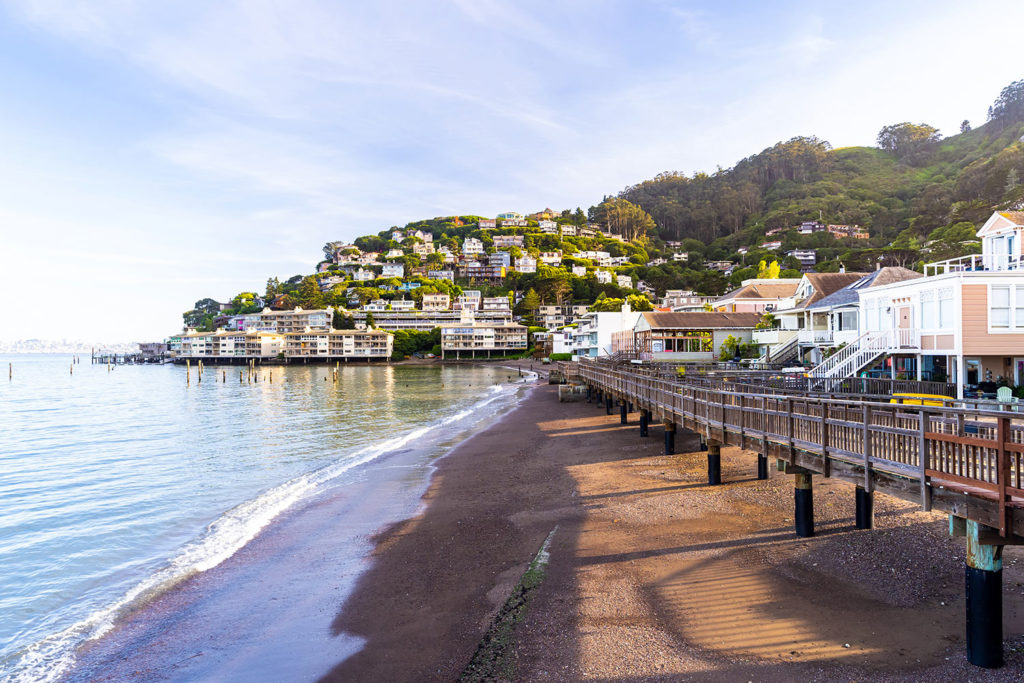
x: 50, y: 658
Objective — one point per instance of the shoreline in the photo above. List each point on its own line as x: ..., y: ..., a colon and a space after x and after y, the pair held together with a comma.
x: 654, y: 575
x: 274, y: 597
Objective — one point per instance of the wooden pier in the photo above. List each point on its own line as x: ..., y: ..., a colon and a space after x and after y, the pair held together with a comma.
x: 965, y: 461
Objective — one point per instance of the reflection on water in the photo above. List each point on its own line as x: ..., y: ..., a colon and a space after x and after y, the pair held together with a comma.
x: 107, y: 475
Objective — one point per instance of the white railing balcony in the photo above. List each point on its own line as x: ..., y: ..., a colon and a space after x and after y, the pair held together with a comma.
x: 815, y: 336
x: 772, y: 336
x: 975, y: 263
x: 904, y: 339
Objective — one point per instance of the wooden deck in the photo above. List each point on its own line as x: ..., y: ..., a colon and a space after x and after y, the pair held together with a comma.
x: 964, y: 462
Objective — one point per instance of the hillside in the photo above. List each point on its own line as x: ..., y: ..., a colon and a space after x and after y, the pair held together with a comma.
x: 916, y: 197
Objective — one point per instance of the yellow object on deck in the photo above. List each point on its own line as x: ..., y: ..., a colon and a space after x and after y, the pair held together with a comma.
x: 920, y: 399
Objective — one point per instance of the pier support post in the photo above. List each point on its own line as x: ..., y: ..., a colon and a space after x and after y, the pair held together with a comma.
x: 865, y: 511
x: 983, y: 582
x: 762, y: 466
x: 589, y: 392
x: 803, y: 497
x: 670, y: 438
x: 599, y: 398
x: 623, y: 412
x: 644, y: 417
x: 630, y: 407
x: 714, y: 463
x: 608, y: 403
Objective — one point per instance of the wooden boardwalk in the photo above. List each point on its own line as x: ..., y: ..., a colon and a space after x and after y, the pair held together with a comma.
x: 965, y: 462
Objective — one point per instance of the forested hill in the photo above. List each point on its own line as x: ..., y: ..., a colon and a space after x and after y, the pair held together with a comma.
x: 914, y: 181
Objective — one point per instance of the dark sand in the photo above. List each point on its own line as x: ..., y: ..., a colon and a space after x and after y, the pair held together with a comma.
x: 653, y: 574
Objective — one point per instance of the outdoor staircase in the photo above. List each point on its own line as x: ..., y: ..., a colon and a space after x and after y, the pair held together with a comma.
x: 851, y: 358
x: 782, y: 352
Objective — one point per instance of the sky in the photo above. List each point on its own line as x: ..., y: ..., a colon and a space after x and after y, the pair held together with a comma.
x: 154, y: 153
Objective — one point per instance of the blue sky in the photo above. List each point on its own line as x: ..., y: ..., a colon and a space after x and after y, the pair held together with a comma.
x: 157, y: 153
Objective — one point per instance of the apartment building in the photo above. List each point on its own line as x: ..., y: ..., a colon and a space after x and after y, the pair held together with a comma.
x: 436, y: 302
x: 476, y: 337
x: 471, y: 246
x: 393, y: 270
x: 526, y: 264
x: 227, y: 346
x: 287, y: 321
x: 506, y: 241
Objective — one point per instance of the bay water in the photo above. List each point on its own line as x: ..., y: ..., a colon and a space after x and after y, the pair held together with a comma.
x: 117, y: 484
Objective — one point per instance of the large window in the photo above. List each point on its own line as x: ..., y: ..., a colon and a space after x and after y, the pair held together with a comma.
x: 929, y: 310
x: 999, y: 307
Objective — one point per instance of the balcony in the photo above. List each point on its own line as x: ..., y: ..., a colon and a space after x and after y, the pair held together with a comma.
x: 771, y: 337
x: 975, y: 263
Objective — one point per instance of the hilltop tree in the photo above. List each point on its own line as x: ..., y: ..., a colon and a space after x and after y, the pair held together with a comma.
x: 625, y: 218
x: 965, y: 126
x: 273, y: 289
x: 911, y: 143
x: 1009, y: 106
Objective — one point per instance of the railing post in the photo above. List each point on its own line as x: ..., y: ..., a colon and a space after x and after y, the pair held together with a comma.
x: 922, y: 456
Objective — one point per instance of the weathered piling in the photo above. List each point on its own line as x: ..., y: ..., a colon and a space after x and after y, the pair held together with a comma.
x: 644, y: 418
x: 623, y: 413
x: 714, y: 463
x: 864, y: 516
x: 670, y: 438
x: 803, y: 499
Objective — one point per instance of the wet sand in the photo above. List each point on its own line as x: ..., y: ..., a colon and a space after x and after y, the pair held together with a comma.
x: 656, y: 576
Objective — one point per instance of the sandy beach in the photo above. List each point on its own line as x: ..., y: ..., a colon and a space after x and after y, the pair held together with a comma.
x: 653, y: 574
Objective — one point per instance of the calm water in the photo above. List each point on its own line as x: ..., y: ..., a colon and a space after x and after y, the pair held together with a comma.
x: 115, y: 485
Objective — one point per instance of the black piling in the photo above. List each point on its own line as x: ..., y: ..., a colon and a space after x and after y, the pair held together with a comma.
x: 714, y: 463
x: 623, y: 413
x: 670, y: 438
x: 644, y: 417
x: 864, y: 516
x: 762, y: 466
x: 803, y: 516
x: 983, y: 587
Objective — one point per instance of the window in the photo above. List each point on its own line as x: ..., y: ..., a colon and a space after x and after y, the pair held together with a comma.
x: 929, y: 311
x: 999, y: 308
x: 946, y: 308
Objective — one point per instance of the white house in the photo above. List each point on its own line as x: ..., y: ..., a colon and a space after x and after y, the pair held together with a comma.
x: 471, y: 246
x: 604, y: 277
x: 526, y: 264
x: 549, y: 227
x: 550, y: 258
x: 624, y: 281
x: 363, y: 275
x: 393, y: 270
x: 579, y: 271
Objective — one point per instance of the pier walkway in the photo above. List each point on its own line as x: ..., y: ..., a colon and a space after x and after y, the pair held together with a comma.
x: 955, y: 458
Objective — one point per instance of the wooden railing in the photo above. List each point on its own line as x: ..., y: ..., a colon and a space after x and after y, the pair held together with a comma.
x: 970, y: 460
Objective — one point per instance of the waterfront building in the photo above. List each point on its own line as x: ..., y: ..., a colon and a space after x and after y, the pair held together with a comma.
x: 475, y: 337
x: 294, y: 320
x: 597, y: 330
x: 689, y: 337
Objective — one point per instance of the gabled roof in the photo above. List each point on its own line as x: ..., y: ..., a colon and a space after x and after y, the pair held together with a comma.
x: 763, y: 290
x: 825, y: 284
x: 1000, y: 220
x: 849, y: 294
x: 703, y: 320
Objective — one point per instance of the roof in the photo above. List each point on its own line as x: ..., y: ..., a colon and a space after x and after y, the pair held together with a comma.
x: 1015, y: 216
x: 848, y: 294
x: 763, y: 290
x: 827, y: 283
x: 701, y: 320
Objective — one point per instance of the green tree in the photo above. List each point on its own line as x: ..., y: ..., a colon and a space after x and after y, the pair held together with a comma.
x: 273, y: 289
x: 608, y: 305
x: 910, y: 142
x: 308, y: 294
x: 370, y: 322
x: 1009, y: 106
x: 639, y: 302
